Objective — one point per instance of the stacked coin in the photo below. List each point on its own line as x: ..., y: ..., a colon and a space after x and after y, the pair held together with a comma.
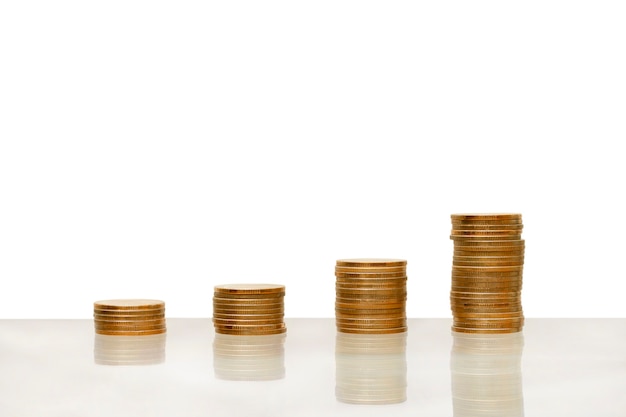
x: 487, y: 273
x: 370, y: 296
x: 129, y: 317
x: 371, y: 369
x: 249, y: 309
x: 249, y: 358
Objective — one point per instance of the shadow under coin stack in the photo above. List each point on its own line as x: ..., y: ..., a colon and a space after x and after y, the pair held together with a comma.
x: 129, y: 317
x: 249, y: 309
x: 370, y: 296
x: 487, y: 273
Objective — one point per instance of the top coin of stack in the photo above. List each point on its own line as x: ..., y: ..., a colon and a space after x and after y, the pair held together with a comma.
x: 129, y: 317
x: 487, y: 273
x: 249, y: 309
x: 370, y: 296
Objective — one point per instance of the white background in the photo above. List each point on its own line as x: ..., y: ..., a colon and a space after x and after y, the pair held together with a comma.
x: 155, y: 149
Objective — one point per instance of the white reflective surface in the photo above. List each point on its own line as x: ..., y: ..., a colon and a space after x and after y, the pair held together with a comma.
x: 573, y: 367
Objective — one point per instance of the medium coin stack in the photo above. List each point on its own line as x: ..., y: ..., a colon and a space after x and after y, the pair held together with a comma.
x: 249, y: 309
x: 370, y: 296
x: 487, y: 270
x: 129, y: 317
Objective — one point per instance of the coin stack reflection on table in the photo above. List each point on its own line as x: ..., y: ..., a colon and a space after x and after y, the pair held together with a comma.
x: 249, y: 309
x: 249, y: 358
x: 129, y: 317
x: 371, y: 368
x: 487, y: 268
x: 370, y: 296
x: 486, y: 371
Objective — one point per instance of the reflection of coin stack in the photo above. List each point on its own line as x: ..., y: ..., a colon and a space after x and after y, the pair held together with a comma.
x: 249, y: 358
x: 370, y: 296
x: 249, y: 309
x: 371, y: 369
x: 487, y: 273
x: 486, y: 375
x: 135, y: 317
x: 129, y: 350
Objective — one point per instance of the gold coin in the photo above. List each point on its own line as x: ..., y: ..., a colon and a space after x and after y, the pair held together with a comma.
x: 486, y: 287
x: 130, y: 328
x: 235, y: 296
x: 129, y: 304
x: 473, y: 234
x: 463, y: 240
x: 394, y: 280
x: 130, y: 332
x: 500, y: 226
x: 340, y: 286
x: 489, y: 324
x: 370, y: 270
x: 248, y: 303
x: 372, y: 312
x: 374, y: 275
x: 250, y: 332
x: 478, y: 258
x: 247, y: 322
x: 486, y: 331
x: 249, y: 289
x: 130, y: 322
x: 508, y: 314
x: 372, y: 331
x: 370, y: 305
x: 474, y: 269
x: 248, y: 311
x: 487, y: 264
x: 365, y: 322
x: 133, y: 313
x: 482, y: 254
x: 253, y: 316
x: 369, y: 262
x: 489, y: 243
x: 391, y: 292
x: 486, y: 216
x: 238, y: 326
x: 109, y: 317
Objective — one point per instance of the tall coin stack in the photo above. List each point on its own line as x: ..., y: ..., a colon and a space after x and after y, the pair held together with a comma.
x: 487, y: 273
x: 370, y: 296
x: 129, y: 317
x: 249, y: 309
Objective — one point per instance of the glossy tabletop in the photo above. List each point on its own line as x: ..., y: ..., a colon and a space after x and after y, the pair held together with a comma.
x: 555, y: 367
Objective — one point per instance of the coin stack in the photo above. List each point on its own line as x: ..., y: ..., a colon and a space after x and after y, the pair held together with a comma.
x: 249, y: 309
x: 487, y: 273
x: 370, y: 296
x: 129, y: 317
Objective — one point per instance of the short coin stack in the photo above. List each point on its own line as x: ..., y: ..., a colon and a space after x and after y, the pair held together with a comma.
x: 487, y: 273
x: 249, y: 309
x: 370, y: 296
x: 129, y: 317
